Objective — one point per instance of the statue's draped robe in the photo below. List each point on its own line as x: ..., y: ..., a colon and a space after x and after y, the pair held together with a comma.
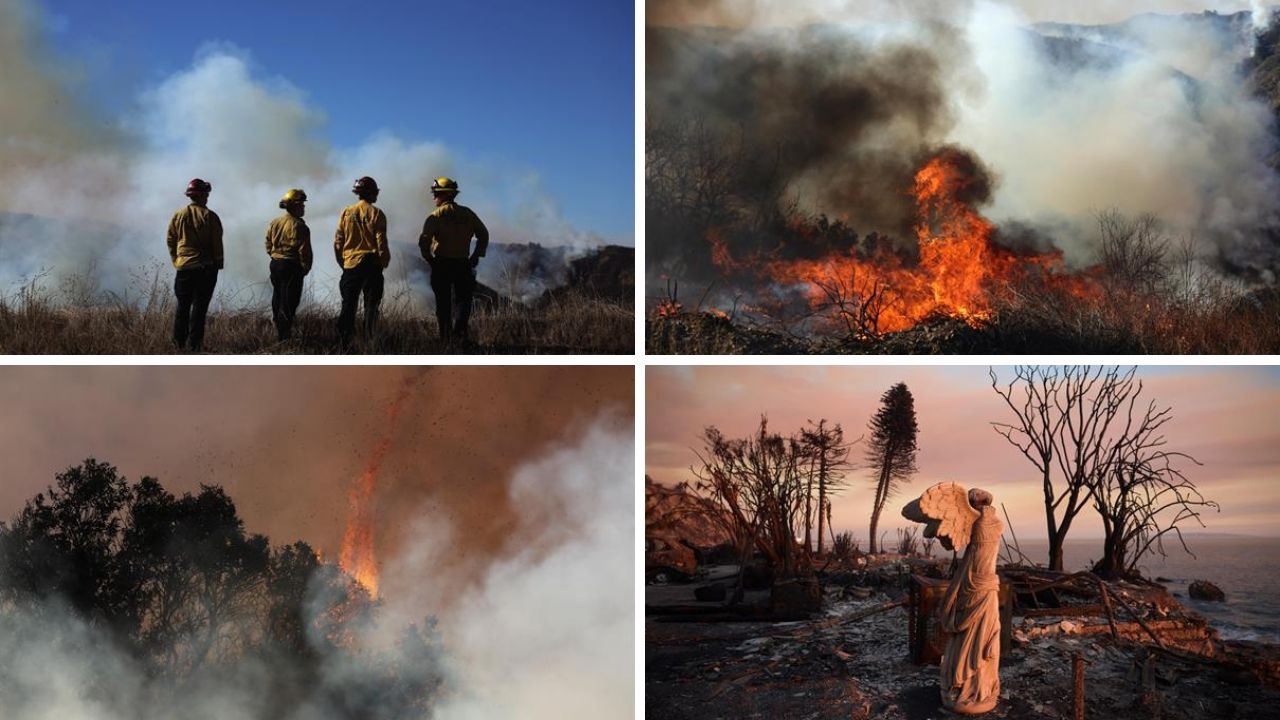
x: 970, y: 674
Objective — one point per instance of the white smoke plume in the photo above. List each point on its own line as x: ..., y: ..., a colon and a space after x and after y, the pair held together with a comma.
x: 548, y: 634
x: 112, y: 183
x: 1164, y: 123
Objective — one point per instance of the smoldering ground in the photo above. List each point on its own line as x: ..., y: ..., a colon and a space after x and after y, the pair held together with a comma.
x: 520, y: 545
x: 89, y: 191
x: 826, y: 108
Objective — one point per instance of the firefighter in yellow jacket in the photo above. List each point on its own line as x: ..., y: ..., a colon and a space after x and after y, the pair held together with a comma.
x: 446, y: 246
x: 360, y: 245
x: 289, y: 247
x: 195, y: 246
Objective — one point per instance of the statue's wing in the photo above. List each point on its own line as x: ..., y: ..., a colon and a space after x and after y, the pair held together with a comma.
x: 946, y: 512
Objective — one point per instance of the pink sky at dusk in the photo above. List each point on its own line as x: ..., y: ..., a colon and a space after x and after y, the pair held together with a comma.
x: 1228, y: 418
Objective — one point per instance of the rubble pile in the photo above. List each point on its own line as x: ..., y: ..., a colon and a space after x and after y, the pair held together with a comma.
x: 1084, y: 604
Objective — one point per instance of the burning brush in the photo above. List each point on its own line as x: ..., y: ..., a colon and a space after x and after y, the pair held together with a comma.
x: 959, y: 271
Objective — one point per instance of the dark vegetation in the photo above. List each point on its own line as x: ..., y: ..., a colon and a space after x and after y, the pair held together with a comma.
x: 177, y: 598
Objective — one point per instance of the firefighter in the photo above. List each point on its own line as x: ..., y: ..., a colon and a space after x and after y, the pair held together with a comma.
x: 195, y: 246
x: 289, y: 247
x: 446, y: 246
x: 360, y: 246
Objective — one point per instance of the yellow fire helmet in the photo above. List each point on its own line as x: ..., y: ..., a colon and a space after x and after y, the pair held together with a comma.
x: 444, y: 185
x: 293, y: 196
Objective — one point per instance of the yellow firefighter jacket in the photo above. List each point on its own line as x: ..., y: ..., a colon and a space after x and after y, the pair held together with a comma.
x: 448, y: 230
x: 195, y: 238
x: 362, y: 230
x: 289, y: 238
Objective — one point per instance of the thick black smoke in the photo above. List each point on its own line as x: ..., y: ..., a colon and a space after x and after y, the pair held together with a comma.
x: 812, y: 120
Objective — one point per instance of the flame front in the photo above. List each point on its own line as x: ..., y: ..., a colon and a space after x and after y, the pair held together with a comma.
x: 358, y: 557
x: 958, y: 273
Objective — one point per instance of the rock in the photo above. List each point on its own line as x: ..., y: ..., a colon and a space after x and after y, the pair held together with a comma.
x: 1205, y: 590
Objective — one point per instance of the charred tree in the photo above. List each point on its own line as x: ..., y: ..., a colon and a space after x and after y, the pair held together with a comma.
x: 1144, y: 495
x: 1066, y: 421
x: 891, y: 448
x: 759, y: 482
x: 829, y: 460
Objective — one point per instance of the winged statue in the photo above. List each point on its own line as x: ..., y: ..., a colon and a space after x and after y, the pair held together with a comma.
x: 969, y: 676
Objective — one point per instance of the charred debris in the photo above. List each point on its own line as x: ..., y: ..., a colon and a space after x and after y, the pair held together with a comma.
x: 856, y: 638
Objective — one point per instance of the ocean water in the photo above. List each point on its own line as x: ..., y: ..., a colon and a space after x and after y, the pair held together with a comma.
x: 1247, y: 569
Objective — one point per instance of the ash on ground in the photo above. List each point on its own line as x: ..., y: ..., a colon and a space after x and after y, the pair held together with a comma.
x: 851, y: 660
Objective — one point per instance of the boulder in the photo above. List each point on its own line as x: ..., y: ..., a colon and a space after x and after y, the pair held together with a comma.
x: 1205, y: 590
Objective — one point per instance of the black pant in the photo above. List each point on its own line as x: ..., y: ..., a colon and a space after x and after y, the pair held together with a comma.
x: 363, y: 279
x: 194, y: 289
x: 454, y: 283
x: 286, y: 293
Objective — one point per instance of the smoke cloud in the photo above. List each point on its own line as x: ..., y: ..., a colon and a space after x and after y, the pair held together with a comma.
x: 110, y: 184
x: 1157, y: 118
x: 833, y: 116
x: 549, y: 631
x: 845, y: 100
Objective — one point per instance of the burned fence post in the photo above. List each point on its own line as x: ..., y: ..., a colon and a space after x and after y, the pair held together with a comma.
x: 1077, y: 669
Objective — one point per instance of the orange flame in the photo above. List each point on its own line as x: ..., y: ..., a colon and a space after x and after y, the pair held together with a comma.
x: 958, y: 273
x: 358, y: 557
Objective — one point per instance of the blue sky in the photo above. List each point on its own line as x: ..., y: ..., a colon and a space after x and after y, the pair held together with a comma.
x: 547, y: 87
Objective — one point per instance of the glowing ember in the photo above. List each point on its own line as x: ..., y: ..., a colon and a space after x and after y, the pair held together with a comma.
x: 958, y: 274
x: 668, y: 308
x: 358, y: 557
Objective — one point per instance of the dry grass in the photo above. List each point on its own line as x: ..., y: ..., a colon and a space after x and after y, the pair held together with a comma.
x: 1040, y: 321
x: 1217, y: 319
x: 35, y: 321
